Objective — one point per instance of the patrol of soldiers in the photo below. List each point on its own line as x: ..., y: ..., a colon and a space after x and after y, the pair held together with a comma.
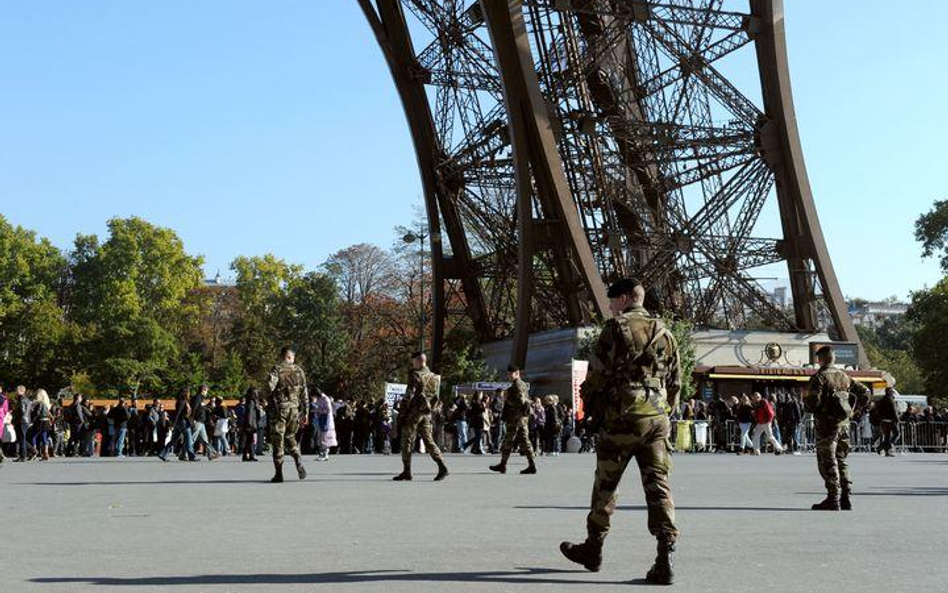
x: 633, y: 383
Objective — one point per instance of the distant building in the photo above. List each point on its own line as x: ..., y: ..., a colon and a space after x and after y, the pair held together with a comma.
x: 779, y: 297
x: 873, y: 314
x: 217, y: 281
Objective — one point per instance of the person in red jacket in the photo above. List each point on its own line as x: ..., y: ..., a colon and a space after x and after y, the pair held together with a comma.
x: 764, y: 417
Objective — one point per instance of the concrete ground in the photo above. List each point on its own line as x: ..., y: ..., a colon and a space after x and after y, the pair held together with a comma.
x: 140, y: 525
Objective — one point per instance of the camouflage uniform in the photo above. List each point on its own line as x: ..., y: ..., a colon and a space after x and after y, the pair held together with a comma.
x: 416, y: 417
x: 516, y: 416
x: 288, y: 395
x: 633, y: 381
x: 830, y: 397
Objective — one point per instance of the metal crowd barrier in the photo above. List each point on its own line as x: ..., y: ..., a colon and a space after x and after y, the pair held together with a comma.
x: 922, y: 437
x: 699, y: 436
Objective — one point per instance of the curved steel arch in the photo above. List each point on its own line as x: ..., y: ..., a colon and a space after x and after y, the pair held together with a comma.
x: 573, y: 141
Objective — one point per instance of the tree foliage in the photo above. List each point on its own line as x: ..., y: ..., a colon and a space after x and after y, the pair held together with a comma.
x: 931, y: 230
x: 928, y: 312
x: 31, y: 320
x: 130, y: 313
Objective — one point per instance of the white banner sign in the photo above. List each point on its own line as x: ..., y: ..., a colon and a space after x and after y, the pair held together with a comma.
x: 394, y: 392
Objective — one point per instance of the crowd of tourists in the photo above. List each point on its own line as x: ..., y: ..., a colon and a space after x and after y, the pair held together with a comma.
x: 779, y: 423
x: 198, y: 425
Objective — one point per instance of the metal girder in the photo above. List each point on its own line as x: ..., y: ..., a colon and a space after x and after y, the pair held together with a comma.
x: 538, y: 166
x: 802, y: 230
x: 391, y: 31
x: 576, y: 141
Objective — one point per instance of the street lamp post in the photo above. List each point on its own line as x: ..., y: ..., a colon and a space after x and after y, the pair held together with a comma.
x: 411, y: 237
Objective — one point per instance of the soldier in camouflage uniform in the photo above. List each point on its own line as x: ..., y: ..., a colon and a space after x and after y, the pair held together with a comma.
x: 286, y: 409
x: 831, y: 397
x: 415, y: 417
x: 633, y: 383
x: 516, y: 415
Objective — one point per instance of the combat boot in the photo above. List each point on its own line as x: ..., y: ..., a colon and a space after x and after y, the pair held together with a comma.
x: 405, y: 476
x: 300, y: 470
x: 588, y: 553
x: 830, y: 503
x: 662, y: 572
x: 845, y: 504
x: 278, y: 474
x: 442, y: 472
x: 500, y: 468
x: 530, y: 469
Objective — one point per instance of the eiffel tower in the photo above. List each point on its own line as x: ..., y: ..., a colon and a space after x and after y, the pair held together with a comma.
x: 565, y: 143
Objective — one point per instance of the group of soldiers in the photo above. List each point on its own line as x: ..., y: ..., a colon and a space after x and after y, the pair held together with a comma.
x: 633, y: 383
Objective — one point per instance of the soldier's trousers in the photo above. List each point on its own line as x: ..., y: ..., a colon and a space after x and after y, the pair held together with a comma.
x: 517, y: 435
x: 284, y: 422
x: 409, y: 427
x: 644, y: 439
x: 832, y: 447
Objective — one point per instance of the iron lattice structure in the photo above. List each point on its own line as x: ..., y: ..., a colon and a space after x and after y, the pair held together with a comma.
x: 565, y: 143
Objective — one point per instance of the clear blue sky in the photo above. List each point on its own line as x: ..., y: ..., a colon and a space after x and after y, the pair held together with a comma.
x: 253, y: 127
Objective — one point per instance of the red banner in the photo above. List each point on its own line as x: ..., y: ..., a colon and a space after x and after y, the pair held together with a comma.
x: 580, y: 368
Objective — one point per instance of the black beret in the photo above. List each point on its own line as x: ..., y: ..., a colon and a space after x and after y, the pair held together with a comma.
x: 417, y: 354
x: 824, y: 350
x: 621, y: 287
x: 513, y: 368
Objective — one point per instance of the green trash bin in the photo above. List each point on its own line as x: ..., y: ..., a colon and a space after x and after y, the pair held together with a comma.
x: 683, y: 435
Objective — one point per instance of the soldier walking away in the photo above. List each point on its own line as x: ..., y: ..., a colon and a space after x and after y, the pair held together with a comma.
x: 516, y: 417
x: 831, y: 398
x: 632, y: 384
x: 286, y: 410
x: 415, y: 416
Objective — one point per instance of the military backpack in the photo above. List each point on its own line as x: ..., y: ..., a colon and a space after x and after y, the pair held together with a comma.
x: 834, y: 401
x: 640, y: 373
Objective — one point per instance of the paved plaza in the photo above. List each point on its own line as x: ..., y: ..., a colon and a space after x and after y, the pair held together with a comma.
x: 140, y: 525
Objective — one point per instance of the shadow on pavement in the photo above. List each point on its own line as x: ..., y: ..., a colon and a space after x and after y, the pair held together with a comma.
x: 146, y: 483
x: 677, y: 508
x: 910, y: 491
x: 518, y: 576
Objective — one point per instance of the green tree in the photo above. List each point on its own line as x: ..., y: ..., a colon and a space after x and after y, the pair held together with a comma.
x: 130, y: 298
x: 682, y: 330
x: 261, y: 285
x: 31, y: 320
x: 463, y: 361
x: 889, y: 348
x: 931, y: 230
x: 929, y: 311
x: 310, y: 317
x: 230, y: 377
